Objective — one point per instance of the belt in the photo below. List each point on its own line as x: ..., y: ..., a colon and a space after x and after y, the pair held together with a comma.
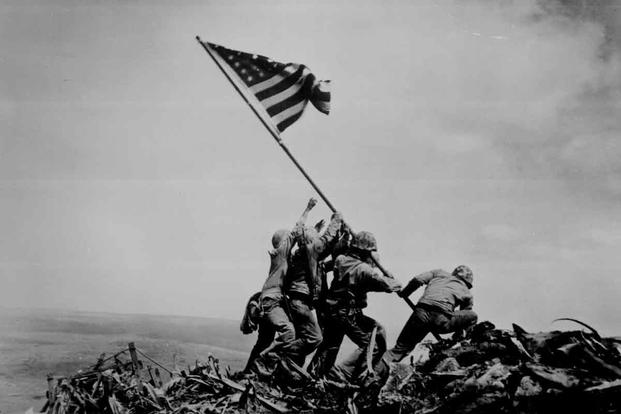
x: 432, y: 308
x: 304, y: 297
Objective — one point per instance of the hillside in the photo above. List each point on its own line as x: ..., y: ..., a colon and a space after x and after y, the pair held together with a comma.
x: 34, y: 343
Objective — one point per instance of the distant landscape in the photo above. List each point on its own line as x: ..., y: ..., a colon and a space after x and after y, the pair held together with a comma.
x: 34, y: 343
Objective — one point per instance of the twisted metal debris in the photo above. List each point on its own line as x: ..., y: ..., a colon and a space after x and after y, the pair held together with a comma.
x: 490, y: 371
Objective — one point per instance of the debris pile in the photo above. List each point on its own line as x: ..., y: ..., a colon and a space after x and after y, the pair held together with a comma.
x: 120, y: 384
x: 489, y: 371
x: 502, y: 371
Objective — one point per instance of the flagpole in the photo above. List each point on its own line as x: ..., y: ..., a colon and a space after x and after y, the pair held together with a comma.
x: 280, y: 142
x: 274, y: 134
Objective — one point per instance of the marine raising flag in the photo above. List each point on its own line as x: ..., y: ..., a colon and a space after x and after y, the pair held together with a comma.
x: 281, y: 90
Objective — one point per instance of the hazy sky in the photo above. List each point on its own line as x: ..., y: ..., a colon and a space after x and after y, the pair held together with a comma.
x: 134, y: 179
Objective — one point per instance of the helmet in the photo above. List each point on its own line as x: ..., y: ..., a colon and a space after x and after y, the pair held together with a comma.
x: 464, y: 273
x: 364, y: 240
x: 278, y: 236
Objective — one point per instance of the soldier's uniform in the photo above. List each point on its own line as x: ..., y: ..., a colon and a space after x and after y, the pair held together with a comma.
x: 272, y: 298
x: 304, y: 283
x: 253, y: 321
x: 436, y: 309
x: 347, y: 297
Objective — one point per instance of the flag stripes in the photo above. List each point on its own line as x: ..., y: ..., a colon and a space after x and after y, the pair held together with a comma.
x: 283, y: 90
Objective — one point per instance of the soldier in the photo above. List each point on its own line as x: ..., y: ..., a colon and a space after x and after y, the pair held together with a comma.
x: 253, y: 321
x: 304, y: 283
x: 435, y: 310
x: 354, y: 276
x: 275, y: 317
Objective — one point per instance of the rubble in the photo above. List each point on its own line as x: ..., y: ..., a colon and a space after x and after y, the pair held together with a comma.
x: 501, y: 371
x: 489, y: 371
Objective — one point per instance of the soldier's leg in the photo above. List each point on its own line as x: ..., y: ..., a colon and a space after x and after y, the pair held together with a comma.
x: 265, y: 338
x: 308, y: 333
x: 275, y: 316
x: 414, y: 331
x: 328, y: 350
x: 359, y: 330
x: 460, y: 320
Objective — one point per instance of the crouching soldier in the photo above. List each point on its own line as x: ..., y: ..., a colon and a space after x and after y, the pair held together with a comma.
x: 436, y: 309
x: 354, y: 276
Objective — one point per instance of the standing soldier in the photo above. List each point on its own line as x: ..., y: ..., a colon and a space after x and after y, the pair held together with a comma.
x: 272, y: 299
x: 435, y: 310
x: 354, y: 276
x: 304, y: 283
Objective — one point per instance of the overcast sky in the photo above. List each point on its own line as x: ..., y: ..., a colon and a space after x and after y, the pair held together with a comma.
x: 134, y: 179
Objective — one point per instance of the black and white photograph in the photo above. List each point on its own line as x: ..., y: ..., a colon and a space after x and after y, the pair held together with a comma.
x: 296, y: 206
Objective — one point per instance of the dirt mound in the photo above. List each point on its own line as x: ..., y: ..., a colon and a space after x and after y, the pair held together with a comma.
x: 489, y: 371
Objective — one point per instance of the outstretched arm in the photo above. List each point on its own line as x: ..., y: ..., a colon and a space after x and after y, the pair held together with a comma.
x: 373, y: 280
x: 302, y: 220
x: 323, y: 243
x: 416, y: 282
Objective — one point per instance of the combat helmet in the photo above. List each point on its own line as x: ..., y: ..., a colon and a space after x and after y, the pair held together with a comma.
x: 278, y: 237
x: 464, y: 273
x: 364, y: 240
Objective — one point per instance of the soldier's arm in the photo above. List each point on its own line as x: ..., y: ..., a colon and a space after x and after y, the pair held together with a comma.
x: 302, y: 220
x: 297, y: 234
x: 285, y: 247
x: 373, y: 280
x: 466, y: 302
x: 417, y: 281
x: 321, y: 246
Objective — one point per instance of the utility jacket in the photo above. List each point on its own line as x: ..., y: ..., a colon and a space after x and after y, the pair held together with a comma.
x: 444, y: 291
x: 306, y: 276
x: 353, y: 279
x: 279, y: 264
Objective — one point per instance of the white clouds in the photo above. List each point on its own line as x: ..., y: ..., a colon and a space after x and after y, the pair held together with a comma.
x: 455, y: 126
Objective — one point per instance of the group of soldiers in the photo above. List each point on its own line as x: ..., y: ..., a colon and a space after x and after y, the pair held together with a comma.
x: 297, y: 313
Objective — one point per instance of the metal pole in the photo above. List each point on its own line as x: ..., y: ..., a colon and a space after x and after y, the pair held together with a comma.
x: 277, y: 138
x: 273, y: 133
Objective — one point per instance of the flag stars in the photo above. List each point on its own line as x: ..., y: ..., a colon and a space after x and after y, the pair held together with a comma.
x: 255, y: 57
x: 230, y: 57
x: 249, y: 78
x: 236, y: 64
x: 243, y: 71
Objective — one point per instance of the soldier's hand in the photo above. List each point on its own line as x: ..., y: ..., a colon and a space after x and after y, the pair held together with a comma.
x: 311, y: 203
x: 337, y: 215
x: 402, y: 293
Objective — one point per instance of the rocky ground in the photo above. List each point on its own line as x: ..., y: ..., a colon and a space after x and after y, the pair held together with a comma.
x: 489, y: 371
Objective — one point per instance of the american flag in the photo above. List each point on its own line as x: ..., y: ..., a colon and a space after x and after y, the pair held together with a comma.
x: 283, y: 90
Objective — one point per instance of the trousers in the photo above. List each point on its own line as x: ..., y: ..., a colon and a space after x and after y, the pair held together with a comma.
x: 307, y: 331
x: 266, y: 335
x: 358, y: 328
x: 275, y: 316
x: 423, y: 321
